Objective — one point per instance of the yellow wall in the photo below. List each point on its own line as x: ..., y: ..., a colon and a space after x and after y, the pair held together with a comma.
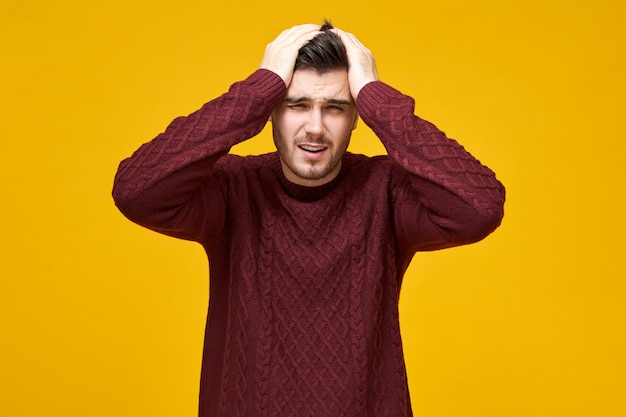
x: 100, y: 317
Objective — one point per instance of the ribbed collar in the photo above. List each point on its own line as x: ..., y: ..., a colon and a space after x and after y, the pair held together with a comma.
x: 302, y: 192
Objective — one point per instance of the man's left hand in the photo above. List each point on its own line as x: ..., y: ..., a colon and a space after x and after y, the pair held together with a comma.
x: 362, y: 68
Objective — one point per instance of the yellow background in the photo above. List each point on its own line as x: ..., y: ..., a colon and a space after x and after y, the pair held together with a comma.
x: 100, y: 317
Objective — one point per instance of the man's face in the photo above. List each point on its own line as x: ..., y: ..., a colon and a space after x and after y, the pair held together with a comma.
x: 313, y: 125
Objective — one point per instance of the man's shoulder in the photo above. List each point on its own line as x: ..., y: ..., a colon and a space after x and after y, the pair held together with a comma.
x: 371, y: 171
x: 234, y: 162
x: 249, y: 169
x: 361, y: 161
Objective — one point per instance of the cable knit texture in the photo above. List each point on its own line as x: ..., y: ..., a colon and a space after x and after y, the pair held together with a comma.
x: 304, y: 286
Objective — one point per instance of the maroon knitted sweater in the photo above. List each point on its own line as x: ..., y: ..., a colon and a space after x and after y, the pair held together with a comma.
x: 304, y: 286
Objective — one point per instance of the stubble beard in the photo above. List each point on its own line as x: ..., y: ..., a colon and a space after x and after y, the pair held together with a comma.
x: 312, y: 170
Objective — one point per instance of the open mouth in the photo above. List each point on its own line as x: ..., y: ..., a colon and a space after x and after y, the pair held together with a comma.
x: 312, y: 148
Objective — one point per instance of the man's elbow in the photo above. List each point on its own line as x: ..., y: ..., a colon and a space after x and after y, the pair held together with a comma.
x: 483, y: 223
x: 131, y: 204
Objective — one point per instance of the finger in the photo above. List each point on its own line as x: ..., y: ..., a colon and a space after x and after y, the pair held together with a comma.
x: 281, y: 54
x: 293, y: 39
x: 295, y: 33
x: 351, y: 42
x: 362, y: 68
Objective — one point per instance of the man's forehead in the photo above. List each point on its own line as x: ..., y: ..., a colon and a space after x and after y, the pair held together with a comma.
x: 311, y: 85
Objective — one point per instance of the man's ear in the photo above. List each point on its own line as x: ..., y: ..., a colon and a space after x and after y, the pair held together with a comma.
x: 356, y: 120
x: 270, y: 118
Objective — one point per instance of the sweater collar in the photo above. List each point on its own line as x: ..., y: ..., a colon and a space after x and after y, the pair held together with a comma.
x: 302, y: 192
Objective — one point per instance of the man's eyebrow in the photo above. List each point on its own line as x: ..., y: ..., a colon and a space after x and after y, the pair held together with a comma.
x: 330, y: 100
x: 296, y: 99
x: 338, y: 101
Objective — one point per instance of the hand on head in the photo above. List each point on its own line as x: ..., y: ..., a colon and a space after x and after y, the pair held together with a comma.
x: 281, y: 54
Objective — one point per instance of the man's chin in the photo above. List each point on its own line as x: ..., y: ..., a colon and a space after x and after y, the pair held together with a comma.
x: 308, y: 175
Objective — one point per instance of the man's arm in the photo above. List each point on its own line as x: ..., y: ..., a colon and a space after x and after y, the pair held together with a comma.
x: 447, y: 197
x: 168, y: 181
x: 167, y: 184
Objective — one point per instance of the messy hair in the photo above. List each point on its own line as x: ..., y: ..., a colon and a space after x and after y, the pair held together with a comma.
x: 323, y: 53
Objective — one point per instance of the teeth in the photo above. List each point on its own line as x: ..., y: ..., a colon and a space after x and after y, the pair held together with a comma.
x: 312, y: 148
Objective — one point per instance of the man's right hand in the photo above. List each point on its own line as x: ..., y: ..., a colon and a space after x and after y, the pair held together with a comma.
x: 280, y: 54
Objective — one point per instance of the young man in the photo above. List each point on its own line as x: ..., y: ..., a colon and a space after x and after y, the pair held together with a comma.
x: 307, y: 246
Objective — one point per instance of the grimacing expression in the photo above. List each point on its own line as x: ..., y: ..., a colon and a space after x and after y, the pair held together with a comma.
x: 313, y: 125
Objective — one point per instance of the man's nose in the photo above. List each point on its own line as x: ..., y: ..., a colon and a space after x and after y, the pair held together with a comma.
x: 315, y: 123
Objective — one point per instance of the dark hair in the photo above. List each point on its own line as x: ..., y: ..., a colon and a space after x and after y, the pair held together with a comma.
x: 323, y: 53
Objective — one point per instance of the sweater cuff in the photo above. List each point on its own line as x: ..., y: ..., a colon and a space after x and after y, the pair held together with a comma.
x: 375, y: 93
x: 269, y: 85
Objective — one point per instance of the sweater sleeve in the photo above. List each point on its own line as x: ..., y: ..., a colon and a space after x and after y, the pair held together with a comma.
x: 168, y: 184
x: 442, y: 195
